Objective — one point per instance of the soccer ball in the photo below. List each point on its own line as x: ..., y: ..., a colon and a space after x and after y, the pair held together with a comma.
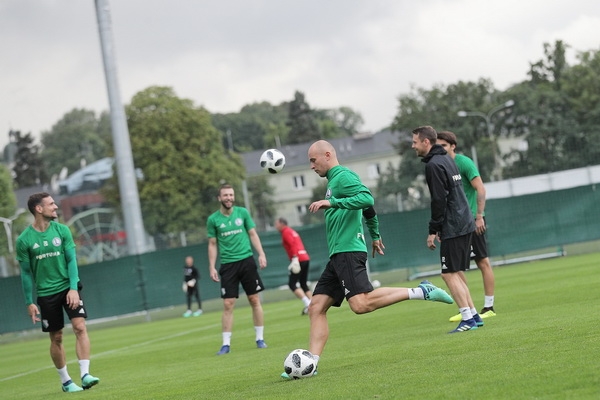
x: 299, y: 364
x: 272, y: 160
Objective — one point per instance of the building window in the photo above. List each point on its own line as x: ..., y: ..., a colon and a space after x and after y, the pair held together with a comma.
x: 301, y: 209
x: 299, y: 181
x: 373, y: 171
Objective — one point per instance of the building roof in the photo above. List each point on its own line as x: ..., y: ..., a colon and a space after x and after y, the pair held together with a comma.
x: 88, y: 178
x: 347, y: 148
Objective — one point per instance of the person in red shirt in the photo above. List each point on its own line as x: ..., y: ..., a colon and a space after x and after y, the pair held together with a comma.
x: 292, y: 243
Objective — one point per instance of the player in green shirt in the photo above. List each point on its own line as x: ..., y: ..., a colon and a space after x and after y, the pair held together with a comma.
x: 230, y: 232
x: 346, y: 202
x: 475, y: 192
x: 46, y: 255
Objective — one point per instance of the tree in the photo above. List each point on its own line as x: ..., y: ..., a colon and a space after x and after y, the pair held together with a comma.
x: 438, y: 107
x: 346, y: 120
x: 581, y: 84
x: 182, y: 159
x: 552, y: 117
x: 302, y: 122
x: 28, y: 168
x: 8, y: 210
x: 256, y: 126
x: 8, y: 205
x: 78, y: 138
x: 261, y: 201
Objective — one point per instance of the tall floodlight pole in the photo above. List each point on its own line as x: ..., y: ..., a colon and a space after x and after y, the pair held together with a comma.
x: 130, y: 200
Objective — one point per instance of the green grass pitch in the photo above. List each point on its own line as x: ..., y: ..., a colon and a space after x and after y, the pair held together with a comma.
x: 543, y: 344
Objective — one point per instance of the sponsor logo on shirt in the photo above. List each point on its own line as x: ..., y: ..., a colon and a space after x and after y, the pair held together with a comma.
x: 229, y: 233
x: 48, y: 255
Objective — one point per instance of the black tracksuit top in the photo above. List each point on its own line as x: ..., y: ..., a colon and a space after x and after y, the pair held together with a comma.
x: 450, y: 213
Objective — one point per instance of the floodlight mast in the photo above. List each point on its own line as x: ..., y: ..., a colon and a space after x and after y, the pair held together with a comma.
x: 134, y: 224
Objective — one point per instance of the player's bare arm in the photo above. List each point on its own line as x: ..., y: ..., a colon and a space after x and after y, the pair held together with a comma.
x: 477, y: 184
x: 212, y: 259
x: 262, y: 258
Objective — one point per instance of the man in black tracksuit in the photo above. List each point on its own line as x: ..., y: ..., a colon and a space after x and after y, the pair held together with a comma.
x: 451, y: 221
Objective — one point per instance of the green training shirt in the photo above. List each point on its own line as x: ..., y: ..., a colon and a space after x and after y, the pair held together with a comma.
x: 231, y: 233
x: 343, y: 221
x: 468, y: 171
x: 45, y: 253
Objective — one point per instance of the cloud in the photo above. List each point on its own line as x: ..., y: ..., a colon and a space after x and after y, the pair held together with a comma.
x: 223, y: 55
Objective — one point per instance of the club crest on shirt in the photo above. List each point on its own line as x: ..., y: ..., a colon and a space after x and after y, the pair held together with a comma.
x: 328, y: 193
x: 56, y: 241
x: 238, y: 222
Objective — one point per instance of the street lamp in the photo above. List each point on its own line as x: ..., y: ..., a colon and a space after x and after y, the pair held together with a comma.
x: 8, y: 227
x: 490, y: 129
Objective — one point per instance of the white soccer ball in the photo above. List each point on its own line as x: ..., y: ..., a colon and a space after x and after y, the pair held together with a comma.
x: 299, y: 364
x: 272, y: 160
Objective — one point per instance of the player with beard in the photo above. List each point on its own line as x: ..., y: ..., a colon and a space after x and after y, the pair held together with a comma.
x: 231, y: 230
x: 46, y: 255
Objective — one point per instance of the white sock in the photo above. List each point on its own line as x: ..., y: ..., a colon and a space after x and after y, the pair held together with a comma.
x: 416, y: 294
x: 84, y: 367
x: 64, y: 375
x: 489, y: 301
x: 306, y: 301
x: 259, y: 332
x: 316, y: 357
x: 226, y: 338
x: 466, y: 313
x: 473, y: 312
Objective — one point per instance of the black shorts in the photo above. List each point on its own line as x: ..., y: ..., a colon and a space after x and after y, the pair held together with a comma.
x: 51, y: 310
x: 345, y: 275
x: 245, y: 272
x: 455, y: 253
x: 479, y: 248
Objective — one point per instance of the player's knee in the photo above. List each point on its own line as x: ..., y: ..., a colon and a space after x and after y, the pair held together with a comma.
x: 360, y: 305
x: 79, y: 327
x: 56, y: 337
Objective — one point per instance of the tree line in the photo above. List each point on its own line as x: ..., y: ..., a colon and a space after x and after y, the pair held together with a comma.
x: 184, y: 152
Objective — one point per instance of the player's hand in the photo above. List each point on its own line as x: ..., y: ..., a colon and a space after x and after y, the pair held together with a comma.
x: 378, y: 247
x: 262, y: 261
x: 73, y: 299
x: 214, y: 275
x: 431, y: 241
x: 33, y: 312
x: 479, y: 226
x: 317, y: 205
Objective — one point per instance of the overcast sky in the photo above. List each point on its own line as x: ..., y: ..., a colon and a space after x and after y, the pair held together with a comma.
x: 228, y: 53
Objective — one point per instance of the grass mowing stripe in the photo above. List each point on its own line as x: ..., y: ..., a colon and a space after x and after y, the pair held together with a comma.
x: 121, y: 350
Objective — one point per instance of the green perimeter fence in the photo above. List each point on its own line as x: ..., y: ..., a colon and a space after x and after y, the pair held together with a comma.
x: 153, y: 280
